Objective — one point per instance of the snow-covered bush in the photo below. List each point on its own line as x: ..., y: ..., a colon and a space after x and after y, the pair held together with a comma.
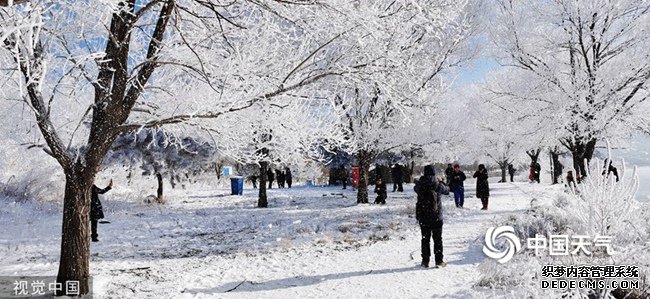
x: 599, y: 206
x: 31, y: 177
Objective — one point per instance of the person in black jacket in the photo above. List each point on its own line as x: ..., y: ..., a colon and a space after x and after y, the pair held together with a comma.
x: 457, y: 186
x: 342, y: 175
x: 380, y: 189
x: 288, y: 177
x: 429, y: 214
x: 270, y: 176
x: 397, y: 173
x: 96, y: 210
x: 279, y: 176
x: 610, y: 169
x: 482, y: 187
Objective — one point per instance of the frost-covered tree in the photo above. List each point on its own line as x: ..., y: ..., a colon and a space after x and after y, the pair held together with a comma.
x: 162, y: 155
x: 591, y: 59
x: 405, y: 47
x: 290, y: 133
x: 122, y: 66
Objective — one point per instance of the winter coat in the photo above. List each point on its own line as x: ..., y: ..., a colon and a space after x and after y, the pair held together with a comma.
x: 482, y: 187
x: 279, y: 176
x: 342, y: 174
x: 425, y: 188
x: 380, y: 188
x: 288, y: 175
x: 397, y: 173
x: 457, y: 179
x: 270, y: 176
x: 511, y: 169
x: 537, y: 168
x: 96, y: 210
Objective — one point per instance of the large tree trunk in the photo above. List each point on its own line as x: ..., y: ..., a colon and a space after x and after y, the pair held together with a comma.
x: 75, y: 247
x: 262, y: 201
x: 504, y: 167
x: 363, y: 157
x: 556, y: 165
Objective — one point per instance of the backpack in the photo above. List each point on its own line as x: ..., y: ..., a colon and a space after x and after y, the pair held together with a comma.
x: 426, y: 191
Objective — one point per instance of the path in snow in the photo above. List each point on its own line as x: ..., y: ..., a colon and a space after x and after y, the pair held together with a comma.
x: 386, y: 269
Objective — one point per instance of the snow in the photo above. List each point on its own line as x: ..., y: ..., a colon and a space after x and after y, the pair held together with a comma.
x: 311, y: 242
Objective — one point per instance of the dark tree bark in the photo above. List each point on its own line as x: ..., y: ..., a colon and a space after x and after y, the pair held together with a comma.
x: 364, y: 158
x: 74, y: 262
x: 262, y: 201
x: 504, y: 167
x: 159, y: 192
x: 6, y: 2
x: 556, y: 165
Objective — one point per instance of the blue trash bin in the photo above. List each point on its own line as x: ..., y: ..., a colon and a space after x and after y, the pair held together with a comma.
x: 237, y: 185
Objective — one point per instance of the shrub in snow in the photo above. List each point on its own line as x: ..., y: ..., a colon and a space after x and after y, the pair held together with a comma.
x: 599, y: 206
x: 32, y: 177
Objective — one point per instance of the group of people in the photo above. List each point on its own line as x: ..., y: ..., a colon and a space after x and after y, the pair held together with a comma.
x: 455, y: 180
x: 281, y: 176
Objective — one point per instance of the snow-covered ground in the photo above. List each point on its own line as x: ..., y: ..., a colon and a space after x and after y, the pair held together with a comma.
x: 311, y: 242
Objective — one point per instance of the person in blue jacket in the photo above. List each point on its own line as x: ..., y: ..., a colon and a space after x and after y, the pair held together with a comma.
x: 457, y: 186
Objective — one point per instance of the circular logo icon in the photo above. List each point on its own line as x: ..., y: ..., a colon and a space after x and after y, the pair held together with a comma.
x: 501, y: 255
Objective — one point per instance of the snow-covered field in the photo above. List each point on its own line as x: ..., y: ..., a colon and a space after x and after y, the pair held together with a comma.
x: 311, y: 242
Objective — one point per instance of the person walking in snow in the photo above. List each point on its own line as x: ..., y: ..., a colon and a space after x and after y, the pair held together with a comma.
x: 279, y: 176
x: 96, y: 210
x: 380, y: 189
x: 482, y: 187
x: 288, y: 177
x: 342, y: 175
x: 457, y: 186
x: 429, y: 214
x: 397, y: 174
x: 270, y: 176
x: 511, y: 171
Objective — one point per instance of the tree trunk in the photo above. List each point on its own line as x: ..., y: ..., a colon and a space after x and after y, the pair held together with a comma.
x: 363, y: 157
x: 504, y: 167
x: 160, y: 187
x: 557, y: 167
x: 262, y: 201
x: 75, y: 247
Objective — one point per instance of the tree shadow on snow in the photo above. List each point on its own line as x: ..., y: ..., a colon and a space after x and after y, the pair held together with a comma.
x: 297, y: 281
